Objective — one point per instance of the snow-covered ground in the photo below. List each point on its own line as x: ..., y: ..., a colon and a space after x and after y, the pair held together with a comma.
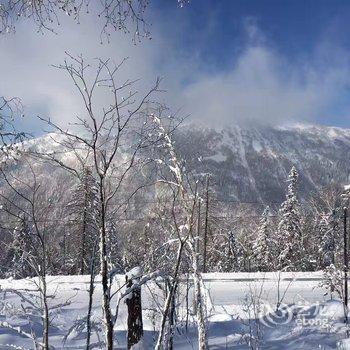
x: 240, y: 308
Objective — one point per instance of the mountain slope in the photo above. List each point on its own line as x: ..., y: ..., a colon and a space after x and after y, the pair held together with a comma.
x: 252, y: 164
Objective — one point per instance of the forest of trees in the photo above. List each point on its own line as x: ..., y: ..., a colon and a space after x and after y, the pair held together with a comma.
x: 239, y: 236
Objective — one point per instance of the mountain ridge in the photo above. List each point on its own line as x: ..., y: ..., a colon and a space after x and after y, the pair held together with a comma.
x: 251, y: 164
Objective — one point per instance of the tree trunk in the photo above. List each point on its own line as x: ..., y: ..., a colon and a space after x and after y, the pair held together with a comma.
x: 83, y: 244
x: 91, y: 293
x: 42, y: 277
x: 169, y: 297
x: 46, y: 317
x: 172, y: 316
x: 106, y: 298
x: 133, y: 302
x: 205, y: 238
x: 199, y: 302
x: 106, y: 292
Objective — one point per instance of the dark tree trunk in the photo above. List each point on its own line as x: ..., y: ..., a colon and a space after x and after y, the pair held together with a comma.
x: 135, y: 324
x: 91, y: 293
x: 106, y: 306
x: 172, y: 315
x: 83, y: 244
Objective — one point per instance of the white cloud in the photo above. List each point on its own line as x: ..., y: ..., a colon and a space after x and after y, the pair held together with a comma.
x: 262, y: 86
x: 27, y: 57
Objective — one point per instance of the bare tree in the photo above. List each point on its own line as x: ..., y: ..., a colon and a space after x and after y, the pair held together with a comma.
x: 107, y: 138
x: 123, y: 15
x: 186, y: 195
x: 9, y: 109
x: 25, y: 198
x: 133, y: 302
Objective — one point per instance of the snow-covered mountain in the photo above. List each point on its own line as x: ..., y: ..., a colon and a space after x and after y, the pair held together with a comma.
x: 252, y: 164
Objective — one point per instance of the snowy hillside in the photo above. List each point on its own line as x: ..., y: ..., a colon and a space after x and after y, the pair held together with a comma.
x: 251, y: 164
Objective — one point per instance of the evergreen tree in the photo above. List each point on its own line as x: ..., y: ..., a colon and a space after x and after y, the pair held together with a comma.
x: 328, y: 228
x: 224, y: 253
x: 289, y: 227
x: 114, y: 257
x: 84, y: 211
x: 262, y: 246
x: 233, y: 252
x: 20, y: 252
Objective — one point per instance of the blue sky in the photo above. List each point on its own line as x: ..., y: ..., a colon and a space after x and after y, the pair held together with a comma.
x: 302, y: 33
x: 222, y: 61
x: 293, y: 27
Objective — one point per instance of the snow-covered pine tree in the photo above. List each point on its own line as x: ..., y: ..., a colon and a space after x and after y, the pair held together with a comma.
x: 262, y: 246
x: 289, y: 227
x: 84, y: 211
x: 328, y: 227
x: 231, y: 263
x: 332, y: 272
x: 115, y: 257
x: 19, y: 253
